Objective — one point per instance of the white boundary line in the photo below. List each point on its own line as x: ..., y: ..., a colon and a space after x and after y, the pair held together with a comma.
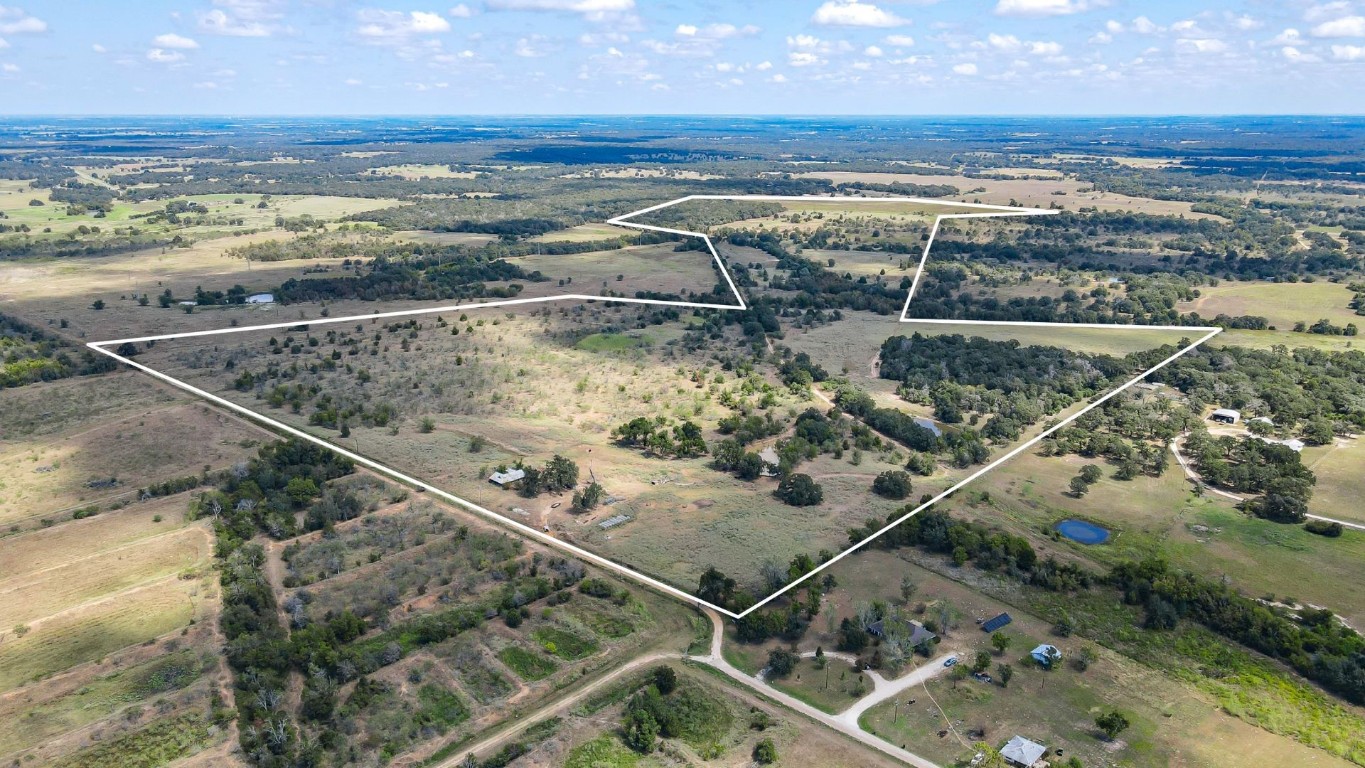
x: 987, y: 211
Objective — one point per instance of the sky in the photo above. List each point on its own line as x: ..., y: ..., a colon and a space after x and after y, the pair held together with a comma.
x: 977, y: 57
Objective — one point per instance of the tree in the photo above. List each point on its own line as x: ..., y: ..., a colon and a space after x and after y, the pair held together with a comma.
x: 98, y: 305
x: 1000, y: 642
x: 765, y: 752
x: 1112, y: 723
x: 781, y: 662
x: 715, y: 587
x: 560, y: 474
x: 1079, y: 486
x: 1091, y: 474
x: 907, y: 588
x: 982, y: 661
x: 958, y: 674
x: 800, y: 491
x: 1083, y: 658
x: 589, y: 497
x: 1004, y: 672
x: 642, y: 731
x: 892, y: 484
x: 665, y: 679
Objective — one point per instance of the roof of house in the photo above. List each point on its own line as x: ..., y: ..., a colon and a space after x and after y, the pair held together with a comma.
x: 510, y: 476
x: 918, y: 634
x: 1228, y: 413
x: 1022, y: 751
x: 996, y: 623
x: 1049, y: 651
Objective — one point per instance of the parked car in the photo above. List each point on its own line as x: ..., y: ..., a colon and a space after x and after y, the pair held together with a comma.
x: 950, y: 662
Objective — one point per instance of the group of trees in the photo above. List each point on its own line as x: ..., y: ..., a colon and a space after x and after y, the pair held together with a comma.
x: 1253, y: 466
x: 1314, y: 642
x: 558, y: 475
x: 654, y: 436
x: 27, y: 356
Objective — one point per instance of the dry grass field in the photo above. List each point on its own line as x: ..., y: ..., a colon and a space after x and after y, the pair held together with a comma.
x: 1283, y: 304
x: 1039, y: 193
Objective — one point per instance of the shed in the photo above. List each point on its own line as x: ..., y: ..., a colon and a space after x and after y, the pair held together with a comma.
x: 996, y: 623
x: 261, y: 298
x: 504, y: 479
x: 1226, y: 416
x: 1021, y: 752
x: 1047, y: 655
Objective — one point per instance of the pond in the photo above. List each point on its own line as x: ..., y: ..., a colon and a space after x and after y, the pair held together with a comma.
x: 929, y: 425
x: 1083, y: 532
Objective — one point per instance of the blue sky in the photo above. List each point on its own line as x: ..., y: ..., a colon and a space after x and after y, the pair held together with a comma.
x: 681, y: 56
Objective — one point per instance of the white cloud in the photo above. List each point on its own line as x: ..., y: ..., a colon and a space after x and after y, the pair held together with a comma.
x: 1113, y: 27
x: 10, y: 69
x: 1327, y: 10
x: 1348, y: 52
x: 778, y: 78
x: 804, y: 41
x: 527, y: 47
x: 97, y: 48
x: 904, y: 41
x: 1201, y: 45
x: 593, y: 8
x: 965, y: 69
x: 1246, y: 23
x: 393, y: 27
x: 1346, y: 26
x: 1044, y: 48
x: 1045, y: 7
x: 803, y: 59
x: 1290, y: 36
x: 1293, y: 54
x: 1145, y: 26
x: 353, y: 82
x: 17, y: 21
x: 715, y: 31
x: 241, y: 18
x: 685, y: 30
x: 1101, y: 38
x: 162, y: 56
x: 461, y: 11
x: 1003, y: 42
x: 172, y: 40
x: 764, y: 66
x: 872, y: 51
x: 852, y: 13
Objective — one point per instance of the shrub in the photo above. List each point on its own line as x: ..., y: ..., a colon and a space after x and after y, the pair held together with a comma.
x: 892, y: 484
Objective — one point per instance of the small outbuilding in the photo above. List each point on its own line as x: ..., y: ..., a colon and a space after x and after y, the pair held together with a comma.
x: 1226, y: 416
x: 261, y: 298
x: 1046, y: 655
x: 1022, y: 753
x: 504, y: 479
x: 771, y: 461
x: 993, y: 624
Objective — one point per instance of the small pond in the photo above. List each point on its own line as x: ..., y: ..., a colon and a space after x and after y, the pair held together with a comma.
x: 1083, y: 532
x: 929, y: 425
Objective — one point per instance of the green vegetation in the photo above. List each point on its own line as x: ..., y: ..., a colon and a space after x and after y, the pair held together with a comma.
x: 528, y: 665
x: 565, y: 645
x: 158, y: 744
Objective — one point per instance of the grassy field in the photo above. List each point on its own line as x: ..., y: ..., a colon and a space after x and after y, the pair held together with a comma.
x: 1038, y: 193
x: 831, y: 689
x: 114, y: 458
x: 1341, y: 484
x: 1151, y: 516
x: 657, y: 268
x: 1283, y: 304
x: 1173, y: 723
x: 91, y: 631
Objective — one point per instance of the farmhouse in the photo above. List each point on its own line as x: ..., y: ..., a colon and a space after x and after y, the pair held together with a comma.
x: 918, y: 634
x: 1292, y: 444
x: 1226, y: 416
x: 1022, y: 753
x: 1046, y: 655
x: 504, y: 479
x: 996, y: 623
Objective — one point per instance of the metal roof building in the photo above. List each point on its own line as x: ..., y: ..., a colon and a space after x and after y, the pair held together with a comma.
x: 1022, y: 753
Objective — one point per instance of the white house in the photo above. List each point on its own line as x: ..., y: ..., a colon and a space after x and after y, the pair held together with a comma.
x: 1022, y: 753
x: 1047, y: 655
x: 1226, y: 416
x: 503, y: 479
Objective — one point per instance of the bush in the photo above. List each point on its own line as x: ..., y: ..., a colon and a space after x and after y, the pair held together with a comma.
x: 800, y: 491
x: 893, y: 484
x: 765, y: 752
x: 1323, y: 528
x: 781, y: 662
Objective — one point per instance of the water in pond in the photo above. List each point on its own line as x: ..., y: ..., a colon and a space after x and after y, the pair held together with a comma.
x: 1083, y: 532
x: 929, y: 425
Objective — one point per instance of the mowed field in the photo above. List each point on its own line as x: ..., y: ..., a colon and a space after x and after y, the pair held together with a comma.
x: 75, y: 593
x: 1283, y: 304
x: 1173, y: 723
